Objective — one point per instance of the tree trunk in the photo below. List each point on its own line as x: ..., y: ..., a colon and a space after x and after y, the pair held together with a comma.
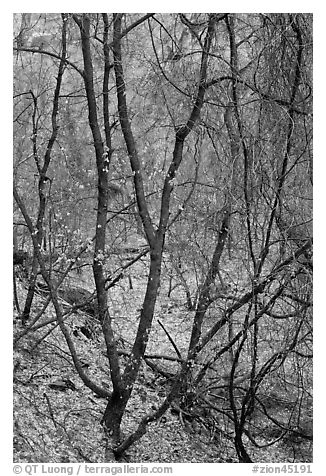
x: 241, y: 451
x: 30, y: 292
x: 113, y: 414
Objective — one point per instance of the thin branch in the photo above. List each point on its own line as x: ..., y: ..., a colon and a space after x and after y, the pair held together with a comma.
x: 171, y: 340
x: 53, y: 55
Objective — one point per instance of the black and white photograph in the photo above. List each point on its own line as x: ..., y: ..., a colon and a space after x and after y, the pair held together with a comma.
x: 162, y: 237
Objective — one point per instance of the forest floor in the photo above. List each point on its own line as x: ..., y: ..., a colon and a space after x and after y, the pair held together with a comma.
x: 57, y: 418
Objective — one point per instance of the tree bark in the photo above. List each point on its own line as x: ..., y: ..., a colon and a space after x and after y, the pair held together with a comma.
x: 102, y: 163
